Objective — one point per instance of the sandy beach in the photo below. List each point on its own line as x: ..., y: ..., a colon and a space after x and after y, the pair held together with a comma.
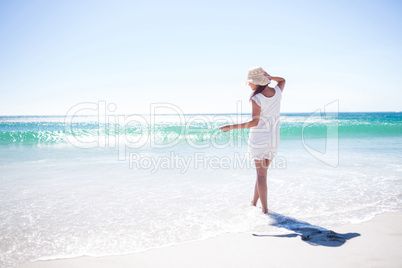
x: 375, y: 243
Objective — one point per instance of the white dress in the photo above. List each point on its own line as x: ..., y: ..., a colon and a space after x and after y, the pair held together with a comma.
x: 263, y: 139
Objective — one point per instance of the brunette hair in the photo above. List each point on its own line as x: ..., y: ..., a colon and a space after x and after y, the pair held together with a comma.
x: 258, y: 90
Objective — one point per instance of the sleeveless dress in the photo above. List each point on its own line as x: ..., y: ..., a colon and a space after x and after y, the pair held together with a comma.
x: 263, y: 139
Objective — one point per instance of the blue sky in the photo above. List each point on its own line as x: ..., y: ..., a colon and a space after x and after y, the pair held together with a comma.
x: 195, y: 54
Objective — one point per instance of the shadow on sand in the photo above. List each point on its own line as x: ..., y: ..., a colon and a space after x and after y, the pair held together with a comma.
x: 314, y: 235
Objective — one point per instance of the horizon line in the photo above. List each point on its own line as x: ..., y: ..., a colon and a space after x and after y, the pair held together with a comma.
x: 284, y: 113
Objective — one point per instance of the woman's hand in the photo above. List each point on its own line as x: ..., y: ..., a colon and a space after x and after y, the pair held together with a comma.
x: 267, y: 75
x: 226, y: 128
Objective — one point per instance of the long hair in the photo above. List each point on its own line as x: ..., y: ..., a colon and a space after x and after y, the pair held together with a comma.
x: 258, y: 90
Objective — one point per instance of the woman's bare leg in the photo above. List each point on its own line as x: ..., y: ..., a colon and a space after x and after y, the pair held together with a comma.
x: 262, y: 166
x: 256, y: 195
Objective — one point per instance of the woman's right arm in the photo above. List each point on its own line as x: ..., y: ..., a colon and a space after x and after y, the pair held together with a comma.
x: 281, y: 81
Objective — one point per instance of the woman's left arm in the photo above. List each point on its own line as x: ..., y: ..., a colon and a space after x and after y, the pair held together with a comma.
x: 252, y: 123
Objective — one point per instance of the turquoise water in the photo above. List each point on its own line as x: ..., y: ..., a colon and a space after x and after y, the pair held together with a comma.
x: 97, y: 188
x: 51, y: 129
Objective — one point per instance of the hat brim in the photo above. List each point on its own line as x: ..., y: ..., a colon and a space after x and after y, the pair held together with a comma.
x: 262, y: 81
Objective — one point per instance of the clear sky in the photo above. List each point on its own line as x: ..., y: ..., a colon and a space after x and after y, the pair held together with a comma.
x: 196, y: 54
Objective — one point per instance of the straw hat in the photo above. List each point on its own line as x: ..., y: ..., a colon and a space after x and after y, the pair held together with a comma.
x: 257, y: 77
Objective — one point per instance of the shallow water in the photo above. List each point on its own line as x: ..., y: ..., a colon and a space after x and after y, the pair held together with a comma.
x: 60, y: 200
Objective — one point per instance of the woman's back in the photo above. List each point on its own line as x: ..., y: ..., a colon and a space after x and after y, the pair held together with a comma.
x: 264, y: 138
x: 270, y: 106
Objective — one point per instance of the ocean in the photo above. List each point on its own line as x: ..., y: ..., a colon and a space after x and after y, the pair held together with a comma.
x: 109, y: 185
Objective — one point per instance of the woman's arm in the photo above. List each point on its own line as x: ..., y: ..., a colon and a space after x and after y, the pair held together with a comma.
x: 254, y: 121
x: 281, y: 81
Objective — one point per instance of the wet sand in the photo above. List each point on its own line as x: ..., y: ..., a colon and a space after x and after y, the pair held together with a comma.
x: 375, y: 243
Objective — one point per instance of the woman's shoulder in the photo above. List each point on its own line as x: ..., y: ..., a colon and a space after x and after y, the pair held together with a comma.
x: 269, y: 92
x: 278, y: 89
x: 257, y: 98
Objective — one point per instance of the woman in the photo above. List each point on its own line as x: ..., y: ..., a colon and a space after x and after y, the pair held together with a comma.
x: 264, y: 134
